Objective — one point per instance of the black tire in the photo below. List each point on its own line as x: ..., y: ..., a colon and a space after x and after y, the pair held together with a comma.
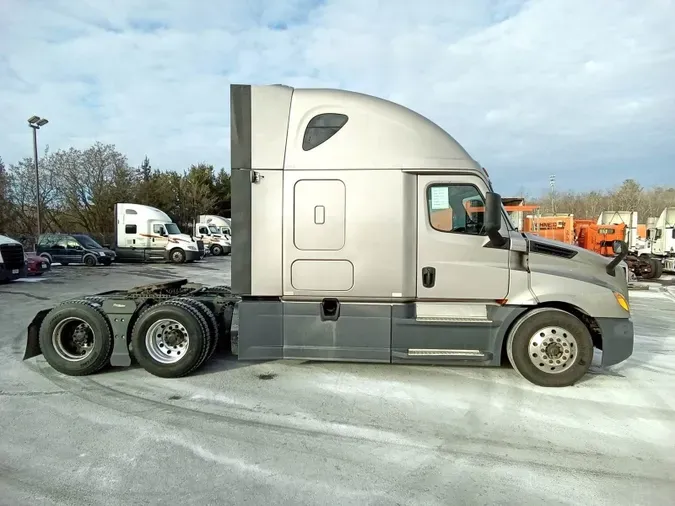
x: 47, y: 257
x: 211, y: 320
x: 177, y: 256
x: 541, y: 321
x: 197, y: 329
x: 216, y: 250
x: 101, y: 347
x: 657, y: 267
x: 651, y: 268
x: 90, y: 261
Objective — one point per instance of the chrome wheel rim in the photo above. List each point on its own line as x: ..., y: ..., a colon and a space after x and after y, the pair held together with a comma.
x: 167, y: 341
x: 73, y: 339
x: 553, y: 350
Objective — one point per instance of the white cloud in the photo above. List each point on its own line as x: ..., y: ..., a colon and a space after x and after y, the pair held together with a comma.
x: 579, y: 88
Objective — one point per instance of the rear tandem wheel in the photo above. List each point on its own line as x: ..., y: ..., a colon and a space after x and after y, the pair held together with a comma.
x: 76, y: 338
x: 171, y: 339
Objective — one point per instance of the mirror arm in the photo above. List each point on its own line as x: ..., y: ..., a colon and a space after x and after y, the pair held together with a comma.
x: 496, y: 238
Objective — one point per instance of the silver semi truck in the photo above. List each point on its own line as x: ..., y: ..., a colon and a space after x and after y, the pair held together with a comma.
x: 365, y: 233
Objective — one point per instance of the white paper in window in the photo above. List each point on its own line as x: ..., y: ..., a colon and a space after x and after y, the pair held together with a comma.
x: 439, y: 198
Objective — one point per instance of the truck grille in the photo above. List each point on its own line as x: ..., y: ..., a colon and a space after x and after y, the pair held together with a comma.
x: 12, y: 255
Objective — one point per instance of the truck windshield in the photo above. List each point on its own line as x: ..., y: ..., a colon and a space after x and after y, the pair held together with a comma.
x: 214, y: 229
x: 172, y: 229
x: 507, y: 216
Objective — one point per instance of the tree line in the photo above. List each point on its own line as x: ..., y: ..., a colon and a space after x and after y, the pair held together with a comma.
x: 78, y: 189
x: 628, y: 196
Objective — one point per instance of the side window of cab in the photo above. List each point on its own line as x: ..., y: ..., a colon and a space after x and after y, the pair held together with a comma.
x: 456, y: 208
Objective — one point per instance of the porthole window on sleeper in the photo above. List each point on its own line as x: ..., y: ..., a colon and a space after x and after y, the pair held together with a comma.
x: 321, y: 128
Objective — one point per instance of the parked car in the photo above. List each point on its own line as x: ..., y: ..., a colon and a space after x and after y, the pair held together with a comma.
x: 36, y: 265
x: 73, y: 249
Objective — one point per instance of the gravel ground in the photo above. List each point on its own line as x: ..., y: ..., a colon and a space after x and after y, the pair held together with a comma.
x: 288, y: 432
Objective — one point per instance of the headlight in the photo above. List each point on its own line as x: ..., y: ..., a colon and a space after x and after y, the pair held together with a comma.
x: 192, y: 247
x: 621, y: 300
x: 101, y: 253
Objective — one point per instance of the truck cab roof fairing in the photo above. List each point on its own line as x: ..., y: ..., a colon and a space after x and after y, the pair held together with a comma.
x: 378, y: 134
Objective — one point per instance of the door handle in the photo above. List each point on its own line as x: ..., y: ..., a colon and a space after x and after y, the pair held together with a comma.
x: 428, y: 277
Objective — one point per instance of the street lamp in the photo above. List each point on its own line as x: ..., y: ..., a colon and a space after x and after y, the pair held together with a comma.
x: 35, y: 122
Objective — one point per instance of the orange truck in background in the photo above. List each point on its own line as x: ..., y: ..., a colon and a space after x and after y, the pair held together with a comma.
x: 558, y: 228
x: 587, y: 234
x: 598, y: 238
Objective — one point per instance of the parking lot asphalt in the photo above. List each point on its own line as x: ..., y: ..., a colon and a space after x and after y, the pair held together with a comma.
x: 292, y: 432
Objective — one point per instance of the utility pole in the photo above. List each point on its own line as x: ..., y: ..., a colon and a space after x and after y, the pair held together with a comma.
x: 551, y: 182
x: 35, y: 122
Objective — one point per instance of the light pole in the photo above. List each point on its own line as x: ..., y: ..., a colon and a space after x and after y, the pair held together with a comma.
x: 35, y: 122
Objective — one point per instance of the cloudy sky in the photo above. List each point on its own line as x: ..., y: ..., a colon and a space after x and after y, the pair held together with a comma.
x: 582, y: 89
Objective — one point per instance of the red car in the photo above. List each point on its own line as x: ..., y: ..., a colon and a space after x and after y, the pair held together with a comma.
x: 36, y: 265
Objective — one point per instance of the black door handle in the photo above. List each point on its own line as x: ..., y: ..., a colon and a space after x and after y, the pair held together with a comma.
x: 428, y: 277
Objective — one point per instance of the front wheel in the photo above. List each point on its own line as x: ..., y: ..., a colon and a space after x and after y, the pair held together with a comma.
x: 657, y: 266
x: 177, y: 256
x: 90, y: 261
x: 216, y: 250
x: 550, y: 348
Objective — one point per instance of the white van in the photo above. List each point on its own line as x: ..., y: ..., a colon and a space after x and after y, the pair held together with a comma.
x: 146, y: 234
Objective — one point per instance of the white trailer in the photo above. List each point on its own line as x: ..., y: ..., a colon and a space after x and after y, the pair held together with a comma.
x: 628, y: 218
x: 662, y: 238
x: 147, y: 234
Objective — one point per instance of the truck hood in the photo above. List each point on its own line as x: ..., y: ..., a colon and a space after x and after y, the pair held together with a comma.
x: 220, y: 239
x: 182, y: 238
x: 557, y: 248
x: 567, y: 260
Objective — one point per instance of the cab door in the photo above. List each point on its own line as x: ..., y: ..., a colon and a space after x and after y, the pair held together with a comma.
x: 158, y: 241
x: 455, y: 260
x: 204, y: 234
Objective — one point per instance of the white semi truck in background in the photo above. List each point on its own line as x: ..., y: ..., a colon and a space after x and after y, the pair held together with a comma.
x: 12, y: 260
x: 223, y: 225
x: 435, y: 273
x: 627, y: 218
x: 661, y: 238
x: 147, y: 234
x: 215, y: 241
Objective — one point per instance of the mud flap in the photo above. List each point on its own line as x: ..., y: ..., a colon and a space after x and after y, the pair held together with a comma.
x: 33, y: 339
